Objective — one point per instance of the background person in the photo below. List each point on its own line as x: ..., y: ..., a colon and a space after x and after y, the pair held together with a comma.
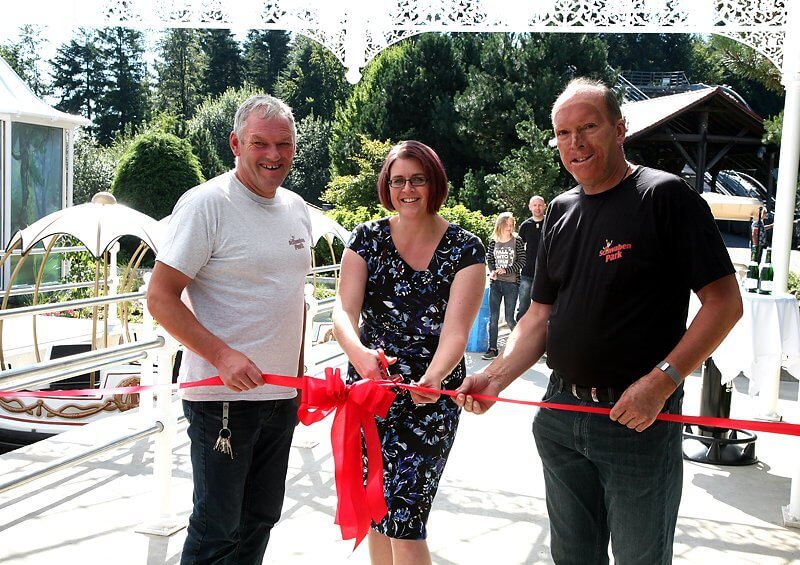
x: 530, y: 232
x: 239, y: 246
x: 612, y: 318
x: 505, y: 258
x: 416, y: 282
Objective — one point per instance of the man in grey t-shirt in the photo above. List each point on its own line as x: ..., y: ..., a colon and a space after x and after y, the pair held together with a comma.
x: 228, y: 284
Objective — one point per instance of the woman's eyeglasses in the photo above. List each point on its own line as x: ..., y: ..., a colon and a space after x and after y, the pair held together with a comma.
x: 400, y: 182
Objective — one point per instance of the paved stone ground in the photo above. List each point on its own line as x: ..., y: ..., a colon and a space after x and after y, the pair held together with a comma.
x: 490, y: 507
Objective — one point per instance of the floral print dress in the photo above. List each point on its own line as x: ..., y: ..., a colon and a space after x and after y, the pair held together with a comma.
x: 403, y: 313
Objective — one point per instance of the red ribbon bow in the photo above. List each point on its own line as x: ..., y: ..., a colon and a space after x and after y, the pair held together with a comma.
x: 356, y: 406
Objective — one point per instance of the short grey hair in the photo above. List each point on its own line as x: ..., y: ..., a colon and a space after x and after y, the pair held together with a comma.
x: 583, y: 84
x: 267, y: 107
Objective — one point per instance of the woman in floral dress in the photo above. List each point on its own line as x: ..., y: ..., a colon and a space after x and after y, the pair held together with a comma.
x: 416, y: 282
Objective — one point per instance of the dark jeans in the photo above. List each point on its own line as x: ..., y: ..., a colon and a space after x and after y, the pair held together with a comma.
x: 237, y: 501
x: 506, y: 292
x: 602, y: 479
x: 525, y: 287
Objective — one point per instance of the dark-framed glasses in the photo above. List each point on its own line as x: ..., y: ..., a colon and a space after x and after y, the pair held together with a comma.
x: 400, y: 182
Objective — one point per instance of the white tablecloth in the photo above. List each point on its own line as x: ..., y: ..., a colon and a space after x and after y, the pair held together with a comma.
x: 766, y: 338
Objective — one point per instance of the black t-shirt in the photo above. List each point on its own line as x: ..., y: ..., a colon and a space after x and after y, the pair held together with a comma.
x: 617, y: 268
x: 530, y: 231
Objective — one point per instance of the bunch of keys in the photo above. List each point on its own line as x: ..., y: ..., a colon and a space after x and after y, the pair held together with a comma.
x: 223, y: 444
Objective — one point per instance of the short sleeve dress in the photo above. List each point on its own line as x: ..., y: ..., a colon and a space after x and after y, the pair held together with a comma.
x: 403, y: 313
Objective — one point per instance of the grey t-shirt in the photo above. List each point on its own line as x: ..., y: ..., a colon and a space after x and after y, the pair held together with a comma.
x: 504, y: 252
x: 247, y: 257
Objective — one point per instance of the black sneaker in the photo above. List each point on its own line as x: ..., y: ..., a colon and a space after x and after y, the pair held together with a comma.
x: 490, y: 354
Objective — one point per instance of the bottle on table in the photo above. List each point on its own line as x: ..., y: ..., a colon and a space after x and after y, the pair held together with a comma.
x: 766, y: 273
x: 751, y: 278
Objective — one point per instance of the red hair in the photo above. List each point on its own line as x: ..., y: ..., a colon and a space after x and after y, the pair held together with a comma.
x: 431, y: 166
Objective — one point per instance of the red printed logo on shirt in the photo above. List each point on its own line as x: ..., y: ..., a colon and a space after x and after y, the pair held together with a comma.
x: 298, y: 243
x: 611, y: 252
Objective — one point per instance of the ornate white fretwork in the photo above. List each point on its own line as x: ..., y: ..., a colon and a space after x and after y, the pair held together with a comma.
x: 357, y: 30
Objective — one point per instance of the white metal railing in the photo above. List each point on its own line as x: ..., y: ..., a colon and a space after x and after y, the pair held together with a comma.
x: 69, y: 305
x: 64, y: 367
x: 81, y: 457
x: 22, y: 290
x: 159, y: 419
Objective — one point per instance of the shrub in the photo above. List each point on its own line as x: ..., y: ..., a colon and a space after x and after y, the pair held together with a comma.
x: 474, y: 222
x: 155, y: 170
x: 215, y: 115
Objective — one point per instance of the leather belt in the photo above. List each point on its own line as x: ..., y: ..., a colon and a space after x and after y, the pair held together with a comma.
x: 591, y: 393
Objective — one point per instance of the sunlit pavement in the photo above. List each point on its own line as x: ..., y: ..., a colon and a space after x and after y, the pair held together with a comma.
x: 490, y: 507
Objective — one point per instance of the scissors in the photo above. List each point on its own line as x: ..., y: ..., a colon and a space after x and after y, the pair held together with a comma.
x: 384, y: 365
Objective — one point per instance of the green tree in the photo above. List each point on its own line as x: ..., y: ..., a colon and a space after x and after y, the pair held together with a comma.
x: 203, y: 147
x: 94, y: 168
x: 518, y: 79
x: 749, y: 73
x: 124, y: 104
x: 310, y: 172
x: 650, y: 52
x: 407, y: 93
x: 24, y: 55
x: 155, y: 170
x: 179, y: 72
x: 313, y: 80
x: 223, y: 67
x: 79, y: 79
x: 474, y: 194
x: 265, y: 55
x: 472, y: 221
x: 530, y: 169
x: 360, y: 189
x: 215, y: 115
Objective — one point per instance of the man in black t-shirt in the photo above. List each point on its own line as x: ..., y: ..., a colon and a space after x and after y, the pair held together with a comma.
x: 530, y: 231
x: 620, y: 254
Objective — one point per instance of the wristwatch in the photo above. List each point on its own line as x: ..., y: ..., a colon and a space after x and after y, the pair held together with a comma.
x: 671, y: 372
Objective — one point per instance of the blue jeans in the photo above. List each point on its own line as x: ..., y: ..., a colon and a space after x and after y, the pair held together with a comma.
x: 506, y: 292
x: 602, y: 479
x: 525, y: 287
x: 237, y: 501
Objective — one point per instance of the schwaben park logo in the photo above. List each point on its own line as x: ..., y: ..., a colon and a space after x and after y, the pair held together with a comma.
x: 613, y: 252
x: 298, y: 243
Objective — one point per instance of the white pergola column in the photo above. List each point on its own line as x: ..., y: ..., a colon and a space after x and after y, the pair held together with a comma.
x: 785, y: 196
x: 790, y: 151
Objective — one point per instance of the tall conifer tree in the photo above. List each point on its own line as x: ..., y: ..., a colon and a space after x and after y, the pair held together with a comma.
x: 180, y: 72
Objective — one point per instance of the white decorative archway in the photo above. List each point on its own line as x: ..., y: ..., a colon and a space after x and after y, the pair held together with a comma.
x: 357, y: 30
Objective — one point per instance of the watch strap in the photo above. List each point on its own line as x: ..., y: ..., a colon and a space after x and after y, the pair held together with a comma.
x: 671, y: 372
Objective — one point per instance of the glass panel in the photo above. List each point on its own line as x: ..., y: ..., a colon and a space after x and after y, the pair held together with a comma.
x: 37, y: 170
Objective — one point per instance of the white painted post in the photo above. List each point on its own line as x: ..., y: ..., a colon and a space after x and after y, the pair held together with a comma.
x: 113, y: 285
x: 163, y: 522
x: 311, y: 311
x: 146, y: 398
x: 787, y: 186
x: 790, y: 151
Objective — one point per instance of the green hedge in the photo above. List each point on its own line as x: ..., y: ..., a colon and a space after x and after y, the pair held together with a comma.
x: 155, y: 170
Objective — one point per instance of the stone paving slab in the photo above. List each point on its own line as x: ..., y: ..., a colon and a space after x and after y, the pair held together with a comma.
x: 490, y: 507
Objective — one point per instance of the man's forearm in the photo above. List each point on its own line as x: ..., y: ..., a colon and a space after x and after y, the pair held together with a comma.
x: 524, y: 346
x: 720, y: 310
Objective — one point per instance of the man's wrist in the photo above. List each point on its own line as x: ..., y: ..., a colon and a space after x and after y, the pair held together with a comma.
x: 665, y: 367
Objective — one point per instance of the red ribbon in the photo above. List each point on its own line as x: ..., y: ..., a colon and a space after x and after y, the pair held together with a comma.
x: 356, y: 406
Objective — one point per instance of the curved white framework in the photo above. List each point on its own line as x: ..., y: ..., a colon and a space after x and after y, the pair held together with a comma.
x: 357, y: 30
